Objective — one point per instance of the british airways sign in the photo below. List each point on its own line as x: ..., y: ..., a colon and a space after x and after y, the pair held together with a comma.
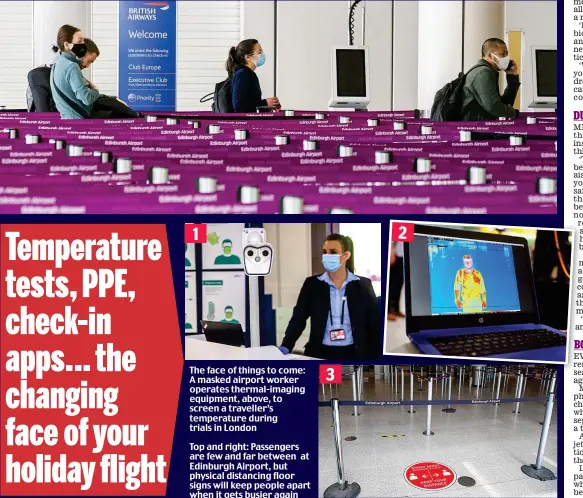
x: 147, y: 55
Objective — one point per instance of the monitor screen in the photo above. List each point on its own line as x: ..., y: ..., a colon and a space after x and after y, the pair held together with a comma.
x: 546, y: 72
x: 351, y: 73
x: 451, y: 275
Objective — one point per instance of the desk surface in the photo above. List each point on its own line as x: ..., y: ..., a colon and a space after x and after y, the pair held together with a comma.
x: 197, y: 348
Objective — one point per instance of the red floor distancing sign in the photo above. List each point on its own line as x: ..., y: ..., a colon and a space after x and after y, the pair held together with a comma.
x: 430, y: 475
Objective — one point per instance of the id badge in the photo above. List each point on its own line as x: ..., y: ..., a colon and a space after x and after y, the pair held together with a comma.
x: 337, y: 335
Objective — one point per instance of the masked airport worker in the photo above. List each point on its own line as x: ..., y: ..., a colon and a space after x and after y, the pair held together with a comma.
x: 243, y: 60
x: 342, y: 308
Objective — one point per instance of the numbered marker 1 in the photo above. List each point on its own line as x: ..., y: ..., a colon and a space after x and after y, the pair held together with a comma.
x: 330, y: 374
x: 194, y: 234
x: 402, y: 232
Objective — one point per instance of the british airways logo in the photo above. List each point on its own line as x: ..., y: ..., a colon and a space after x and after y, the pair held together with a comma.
x: 147, y: 13
x: 160, y: 5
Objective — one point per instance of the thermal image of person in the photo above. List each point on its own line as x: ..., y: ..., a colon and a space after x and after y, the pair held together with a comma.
x: 469, y: 288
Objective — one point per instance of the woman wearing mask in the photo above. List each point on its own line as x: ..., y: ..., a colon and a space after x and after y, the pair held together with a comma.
x: 74, y: 95
x: 342, y: 307
x: 243, y: 60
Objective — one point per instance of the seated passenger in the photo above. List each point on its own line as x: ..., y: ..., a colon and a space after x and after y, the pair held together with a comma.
x: 243, y: 60
x: 481, y: 95
x: 74, y: 95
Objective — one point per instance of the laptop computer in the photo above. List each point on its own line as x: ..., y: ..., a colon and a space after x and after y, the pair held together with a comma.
x: 472, y: 294
x: 230, y: 334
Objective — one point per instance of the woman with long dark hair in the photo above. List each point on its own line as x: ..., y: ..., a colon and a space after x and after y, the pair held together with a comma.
x: 243, y: 60
x: 342, y: 308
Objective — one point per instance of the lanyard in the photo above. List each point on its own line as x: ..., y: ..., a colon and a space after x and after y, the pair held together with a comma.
x: 342, y: 316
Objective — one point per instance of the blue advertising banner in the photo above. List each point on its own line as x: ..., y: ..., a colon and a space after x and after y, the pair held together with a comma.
x: 147, y: 55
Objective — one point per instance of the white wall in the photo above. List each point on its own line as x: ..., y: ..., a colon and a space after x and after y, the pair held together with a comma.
x: 483, y: 20
x: 406, y: 46
x: 15, y: 60
x: 256, y: 22
x: 440, y: 47
x: 306, y: 32
x: 538, y: 21
x: 104, y: 32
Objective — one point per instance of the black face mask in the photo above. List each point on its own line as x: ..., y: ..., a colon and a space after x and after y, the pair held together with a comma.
x: 79, y: 50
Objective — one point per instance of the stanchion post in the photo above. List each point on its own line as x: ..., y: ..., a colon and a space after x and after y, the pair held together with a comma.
x: 517, y: 394
x: 427, y: 431
x: 537, y: 471
x: 402, y: 384
x: 461, y: 381
x: 412, y: 377
x: 449, y: 409
x: 498, y: 388
x: 355, y: 390
x: 340, y: 489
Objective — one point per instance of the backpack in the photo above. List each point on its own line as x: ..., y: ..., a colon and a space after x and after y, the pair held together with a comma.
x: 222, y: 97
x: 447, y: 104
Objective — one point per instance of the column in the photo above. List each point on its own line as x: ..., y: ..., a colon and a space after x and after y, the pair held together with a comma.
x: 48, y: 17
x: 440, y: 48
x: 483, y: 20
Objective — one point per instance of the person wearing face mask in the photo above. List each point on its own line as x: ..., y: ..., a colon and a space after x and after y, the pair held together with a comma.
x: 243, y: 60
x: 342, y: 308
x: 73, y: 94
x: 481, y: 95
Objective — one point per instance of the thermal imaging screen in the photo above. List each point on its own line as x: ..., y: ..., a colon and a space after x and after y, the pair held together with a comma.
x: 471, y: 276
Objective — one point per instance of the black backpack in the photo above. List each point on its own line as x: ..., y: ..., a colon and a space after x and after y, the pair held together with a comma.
x: 222, y: 98
x: 447, y: 104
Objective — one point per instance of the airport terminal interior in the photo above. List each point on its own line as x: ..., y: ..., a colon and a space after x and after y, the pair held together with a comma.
x: 486, y: 443
x: 346, y: 88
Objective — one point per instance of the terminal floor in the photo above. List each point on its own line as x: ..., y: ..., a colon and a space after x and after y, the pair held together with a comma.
x: 485, y: 442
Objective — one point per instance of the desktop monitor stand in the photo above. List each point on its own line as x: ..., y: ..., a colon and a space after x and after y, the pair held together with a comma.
x: 544, y: 106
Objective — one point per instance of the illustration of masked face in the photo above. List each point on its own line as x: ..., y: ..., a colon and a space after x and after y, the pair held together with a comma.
x: 229, y: 313
x: 227, y: 249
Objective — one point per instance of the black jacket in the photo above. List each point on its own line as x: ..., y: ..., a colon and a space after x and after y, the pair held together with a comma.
x: 314, y: 303
x: 246, y: 91
x: 481, y: 96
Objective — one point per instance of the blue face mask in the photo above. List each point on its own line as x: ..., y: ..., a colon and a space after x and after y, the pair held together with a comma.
x: 331, y: 262
x: 261, y: 60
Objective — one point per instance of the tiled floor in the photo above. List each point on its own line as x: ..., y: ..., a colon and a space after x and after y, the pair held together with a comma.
x: 485, y: 442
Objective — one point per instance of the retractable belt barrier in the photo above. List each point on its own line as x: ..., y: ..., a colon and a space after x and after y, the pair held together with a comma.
x: 536, y: 471
x: 433, y: 402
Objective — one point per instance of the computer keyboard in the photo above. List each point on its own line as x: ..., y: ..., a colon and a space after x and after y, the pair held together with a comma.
x: 493, y: 343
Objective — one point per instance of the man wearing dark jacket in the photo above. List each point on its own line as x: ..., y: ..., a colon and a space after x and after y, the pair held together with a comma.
x: 481, y: 96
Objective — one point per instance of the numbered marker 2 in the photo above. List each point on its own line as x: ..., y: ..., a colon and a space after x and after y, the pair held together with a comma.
x: 402, y: 232
x: 330, y: 374
x: 194, y: 234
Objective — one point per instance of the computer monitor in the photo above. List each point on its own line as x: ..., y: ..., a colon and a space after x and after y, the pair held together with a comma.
x: 544, y: 72
x: 230, y: 334
x: 350, y: 77
x: 491, y: 273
